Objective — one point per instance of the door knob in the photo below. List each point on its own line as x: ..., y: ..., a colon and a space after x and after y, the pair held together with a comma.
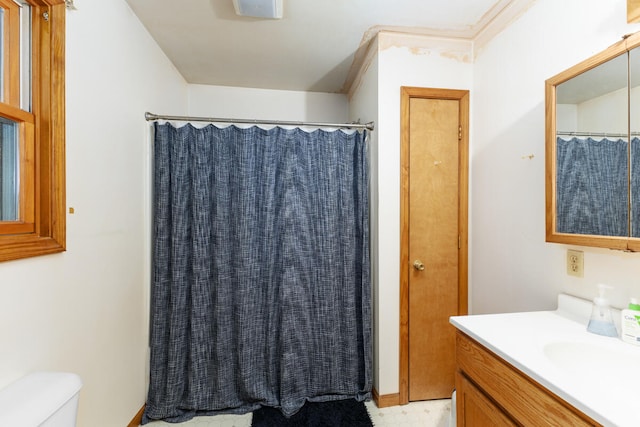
x: 418, y: 265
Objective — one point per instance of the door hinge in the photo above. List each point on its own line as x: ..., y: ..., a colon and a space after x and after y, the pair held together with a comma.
x: 460, y: 133
x: 459, y: 242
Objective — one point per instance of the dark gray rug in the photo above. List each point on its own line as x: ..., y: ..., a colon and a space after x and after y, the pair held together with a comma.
x: 337, y: 413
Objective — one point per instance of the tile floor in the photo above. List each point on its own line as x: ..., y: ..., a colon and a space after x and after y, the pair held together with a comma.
x: 432, y: 413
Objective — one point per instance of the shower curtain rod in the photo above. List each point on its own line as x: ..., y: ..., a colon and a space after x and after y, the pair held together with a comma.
x: 601, y: 134
x: 152, y: 117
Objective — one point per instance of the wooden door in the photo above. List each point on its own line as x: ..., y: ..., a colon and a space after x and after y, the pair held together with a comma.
x: 434, y: 237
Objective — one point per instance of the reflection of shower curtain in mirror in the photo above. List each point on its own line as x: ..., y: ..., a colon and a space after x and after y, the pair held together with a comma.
x: 635, y: 187
x: 592, y: 186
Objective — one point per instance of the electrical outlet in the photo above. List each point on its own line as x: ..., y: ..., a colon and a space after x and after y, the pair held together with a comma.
x: 575, y: 263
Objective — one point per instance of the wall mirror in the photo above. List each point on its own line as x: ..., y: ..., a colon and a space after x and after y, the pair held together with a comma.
x: 593, y: 150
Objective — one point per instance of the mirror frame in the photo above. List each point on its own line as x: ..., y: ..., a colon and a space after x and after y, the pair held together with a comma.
x: 630, y: 244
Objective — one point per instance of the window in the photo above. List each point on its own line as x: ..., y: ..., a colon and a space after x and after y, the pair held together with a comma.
x: 32, y: 128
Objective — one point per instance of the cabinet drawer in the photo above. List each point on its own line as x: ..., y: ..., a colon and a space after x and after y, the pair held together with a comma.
x: 475, y: 409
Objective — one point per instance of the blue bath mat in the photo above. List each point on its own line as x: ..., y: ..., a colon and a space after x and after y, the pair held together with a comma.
x: 336, y: 413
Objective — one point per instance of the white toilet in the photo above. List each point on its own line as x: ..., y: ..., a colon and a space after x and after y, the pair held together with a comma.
x: 41, y: 399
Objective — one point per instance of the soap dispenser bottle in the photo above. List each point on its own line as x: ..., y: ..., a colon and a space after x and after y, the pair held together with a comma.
x: 601, y: 321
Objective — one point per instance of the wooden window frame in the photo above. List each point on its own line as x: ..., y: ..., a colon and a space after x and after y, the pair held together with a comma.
x: 41, y: 228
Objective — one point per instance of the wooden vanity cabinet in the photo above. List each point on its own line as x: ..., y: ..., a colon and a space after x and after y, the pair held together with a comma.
x: 492, y: 393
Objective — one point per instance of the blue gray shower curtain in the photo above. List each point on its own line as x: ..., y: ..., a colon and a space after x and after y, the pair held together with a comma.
x: 261, y: 289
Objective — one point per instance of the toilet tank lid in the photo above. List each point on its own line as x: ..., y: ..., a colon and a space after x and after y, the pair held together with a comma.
x: 34, y: 398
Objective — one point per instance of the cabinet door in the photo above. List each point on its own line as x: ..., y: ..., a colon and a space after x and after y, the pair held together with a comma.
x: 475, y: 409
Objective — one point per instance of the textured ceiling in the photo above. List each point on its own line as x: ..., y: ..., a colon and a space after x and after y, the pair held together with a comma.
x: 312, y: 48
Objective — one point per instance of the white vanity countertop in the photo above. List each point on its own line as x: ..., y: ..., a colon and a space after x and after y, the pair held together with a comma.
x: 598, y: 375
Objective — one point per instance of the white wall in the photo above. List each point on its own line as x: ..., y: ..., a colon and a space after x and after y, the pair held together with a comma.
x: 512, y: 268
x: 363, y: 105
x: 242, y: 103
x: 84, y: 310
x: 566, y: 117
x: 608, y: 113
x: 402, y: 60
x: 603, y: 114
